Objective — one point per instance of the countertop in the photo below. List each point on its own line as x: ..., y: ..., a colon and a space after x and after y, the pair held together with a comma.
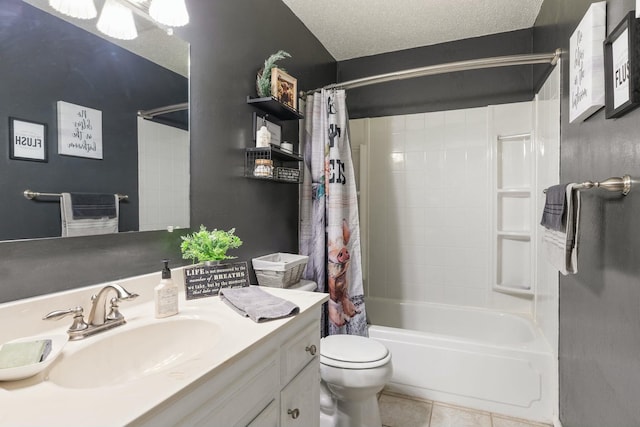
x: 38, y: 401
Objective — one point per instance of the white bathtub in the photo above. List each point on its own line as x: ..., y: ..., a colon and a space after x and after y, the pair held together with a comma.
x: 492, y: 361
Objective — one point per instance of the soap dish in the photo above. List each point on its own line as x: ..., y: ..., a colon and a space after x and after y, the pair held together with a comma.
x: 26, y: 371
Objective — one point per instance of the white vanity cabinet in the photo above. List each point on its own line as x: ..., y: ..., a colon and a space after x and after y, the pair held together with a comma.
x: 276, y: 382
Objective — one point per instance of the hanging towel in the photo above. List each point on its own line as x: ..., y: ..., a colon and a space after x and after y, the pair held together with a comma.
x: 555, y: 208
x: 257, y: 304
x: 94, y: 206
x: 561, y: 247
x: 88, y: 219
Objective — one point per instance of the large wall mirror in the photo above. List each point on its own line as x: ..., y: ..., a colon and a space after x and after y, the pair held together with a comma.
x: 47, y: 58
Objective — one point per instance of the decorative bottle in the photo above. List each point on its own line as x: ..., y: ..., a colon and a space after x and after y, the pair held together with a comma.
x: 166, y: 294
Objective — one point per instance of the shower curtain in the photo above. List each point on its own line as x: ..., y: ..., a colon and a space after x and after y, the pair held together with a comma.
x: 330, y: 230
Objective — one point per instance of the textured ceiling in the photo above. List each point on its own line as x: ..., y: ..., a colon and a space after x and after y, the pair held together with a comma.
x: 354, y: 28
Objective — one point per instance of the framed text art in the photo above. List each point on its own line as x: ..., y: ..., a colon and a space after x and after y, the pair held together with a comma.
x: 621, y: 63
x: 79, y: 131
x: 586, y: 70
x: 28, y: 140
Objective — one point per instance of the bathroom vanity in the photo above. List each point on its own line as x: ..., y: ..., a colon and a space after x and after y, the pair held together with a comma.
x: 207, y: 366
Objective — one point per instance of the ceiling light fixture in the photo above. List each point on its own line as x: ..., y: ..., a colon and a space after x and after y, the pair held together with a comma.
x: 80, y: 9
x: 172, y: 13
x: 116, y: 20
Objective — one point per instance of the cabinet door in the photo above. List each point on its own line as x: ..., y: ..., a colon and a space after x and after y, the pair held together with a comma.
x: 299, y: 351
x: 267, y: 418
x: 300, y: 399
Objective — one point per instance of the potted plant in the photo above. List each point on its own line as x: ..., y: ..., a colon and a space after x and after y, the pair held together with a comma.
x: 209, y: 246
x: 263, y: 79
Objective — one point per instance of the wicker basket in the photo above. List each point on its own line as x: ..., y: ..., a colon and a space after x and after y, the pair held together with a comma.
x: 279, y: 270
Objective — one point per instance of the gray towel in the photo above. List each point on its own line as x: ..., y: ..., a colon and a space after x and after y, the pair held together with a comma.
x: 257, y: 304
x: 93, y: 206
x: 562, y: 246
x: 554, y: 215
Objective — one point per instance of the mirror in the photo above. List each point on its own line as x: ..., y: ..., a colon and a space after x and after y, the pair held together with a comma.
x: 48, y: 58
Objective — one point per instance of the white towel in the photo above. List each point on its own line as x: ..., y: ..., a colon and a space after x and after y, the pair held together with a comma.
x: 562, y: 246
x: 86, y: 226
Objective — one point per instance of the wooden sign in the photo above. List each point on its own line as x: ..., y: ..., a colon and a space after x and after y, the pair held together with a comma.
x: 206, y: 281
x: 586, y: 66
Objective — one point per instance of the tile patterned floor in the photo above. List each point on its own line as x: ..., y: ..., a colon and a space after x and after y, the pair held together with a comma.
x: 404, y: 411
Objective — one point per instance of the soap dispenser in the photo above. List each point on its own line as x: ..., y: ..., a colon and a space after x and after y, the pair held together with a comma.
x: 166, y: 294
x: 263, y: 136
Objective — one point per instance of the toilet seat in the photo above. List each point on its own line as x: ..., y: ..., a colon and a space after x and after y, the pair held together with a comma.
x: 353, y: 352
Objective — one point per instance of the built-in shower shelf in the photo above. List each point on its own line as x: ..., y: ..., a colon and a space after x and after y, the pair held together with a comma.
x: 514, y: 192
x: 513, y: 219
x: 515, y: 235
x: 514, y: 289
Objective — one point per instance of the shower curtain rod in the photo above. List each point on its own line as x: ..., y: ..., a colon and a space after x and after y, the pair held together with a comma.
x: 150, y: 114
x: 450, y: 67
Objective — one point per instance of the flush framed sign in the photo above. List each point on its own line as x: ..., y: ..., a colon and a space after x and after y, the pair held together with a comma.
x: 622, y: 68
x: 586, y: 67
x: 28, y: 140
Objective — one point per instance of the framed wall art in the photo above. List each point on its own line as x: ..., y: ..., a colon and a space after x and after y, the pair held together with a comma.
x: 284, y: 88
x: 586, y: 70
x: 79, y: 131
x: 621, y: 68
x: 27, y: 140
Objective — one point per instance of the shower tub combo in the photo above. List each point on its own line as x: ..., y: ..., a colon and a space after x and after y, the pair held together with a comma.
x: 498, y: 362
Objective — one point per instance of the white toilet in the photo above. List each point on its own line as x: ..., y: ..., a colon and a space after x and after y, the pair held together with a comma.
x: 353, y: 370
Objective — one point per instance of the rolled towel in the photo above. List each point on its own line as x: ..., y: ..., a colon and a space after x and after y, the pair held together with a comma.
x: 554, y: 215
x: 257, y: 304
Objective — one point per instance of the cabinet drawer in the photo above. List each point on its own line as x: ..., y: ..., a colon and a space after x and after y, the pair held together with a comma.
x: 298, y: 351
x: 300, y: 399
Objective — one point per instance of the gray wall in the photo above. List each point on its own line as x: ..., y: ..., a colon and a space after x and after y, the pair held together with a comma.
x: 599, y: 306
x: 95, y: 74
x: 229, y: 42
x: 442, y: 92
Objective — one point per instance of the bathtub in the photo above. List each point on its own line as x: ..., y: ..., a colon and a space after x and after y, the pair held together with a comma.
x: 497, y: 362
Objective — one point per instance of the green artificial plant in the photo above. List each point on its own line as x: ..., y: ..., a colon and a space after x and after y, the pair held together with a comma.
x: 263, y: 80
x: 205, y: 245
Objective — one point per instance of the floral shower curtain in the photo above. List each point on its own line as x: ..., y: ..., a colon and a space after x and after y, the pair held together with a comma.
x: 330, y: 229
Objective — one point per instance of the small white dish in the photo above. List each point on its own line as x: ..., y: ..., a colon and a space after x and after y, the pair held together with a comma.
x: 26, y: 371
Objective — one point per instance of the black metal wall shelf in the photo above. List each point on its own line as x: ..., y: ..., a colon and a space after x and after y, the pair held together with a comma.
x: 274, y: 107
x: 286, y: 166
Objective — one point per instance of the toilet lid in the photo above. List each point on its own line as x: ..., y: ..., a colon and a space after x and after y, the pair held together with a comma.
x: 352, y: 352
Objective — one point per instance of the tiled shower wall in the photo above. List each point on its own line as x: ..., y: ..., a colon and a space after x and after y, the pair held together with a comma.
x: 428, y: 205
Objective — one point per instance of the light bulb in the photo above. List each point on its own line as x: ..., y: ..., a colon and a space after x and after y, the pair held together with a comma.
x: 172, y: 13
x: 116, y: 20
x: 81, y: 9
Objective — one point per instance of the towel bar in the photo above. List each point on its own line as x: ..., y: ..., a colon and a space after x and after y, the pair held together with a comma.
x: 29, y: 194
x: 621, y: 184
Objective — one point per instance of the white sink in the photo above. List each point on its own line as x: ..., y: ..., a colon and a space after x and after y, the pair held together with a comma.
x: 128, y: 353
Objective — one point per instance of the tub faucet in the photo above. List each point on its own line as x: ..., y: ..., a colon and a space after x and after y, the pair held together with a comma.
x: 99, y: 315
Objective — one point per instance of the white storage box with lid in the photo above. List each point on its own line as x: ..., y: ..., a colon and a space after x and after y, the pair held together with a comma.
x: 279, y: 270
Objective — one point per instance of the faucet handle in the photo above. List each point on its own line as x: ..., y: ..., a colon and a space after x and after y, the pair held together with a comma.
x: 114, y: 313
x: 78, y: 318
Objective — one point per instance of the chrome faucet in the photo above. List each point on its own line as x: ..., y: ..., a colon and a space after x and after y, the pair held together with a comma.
x: 99, y: 319
x: 98, y: 315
